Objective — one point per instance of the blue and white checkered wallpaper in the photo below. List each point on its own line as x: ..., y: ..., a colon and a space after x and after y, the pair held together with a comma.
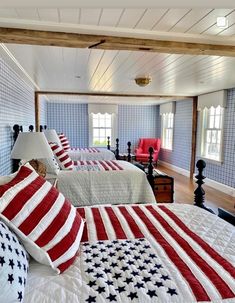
x: 16, y: 107
x: 136, y: 121
x: 133, y: 122
x: 181, y: 154
x: 224, y: 172
x: 71, y: 119
x: 43, y: 110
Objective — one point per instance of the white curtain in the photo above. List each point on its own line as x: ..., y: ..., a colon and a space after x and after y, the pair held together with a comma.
x: 102, y: 108
x: 167, y: 108
x: 212, y: 99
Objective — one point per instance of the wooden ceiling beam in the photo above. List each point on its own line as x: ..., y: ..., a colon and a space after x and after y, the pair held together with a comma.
x: 49, y: 38
x: 110, y: 95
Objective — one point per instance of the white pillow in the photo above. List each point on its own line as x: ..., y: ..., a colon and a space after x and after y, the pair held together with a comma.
x: 6, y: 179
x: 52, y: 165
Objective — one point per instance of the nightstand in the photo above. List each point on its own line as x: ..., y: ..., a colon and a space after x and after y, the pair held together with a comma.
x: 163, y: 187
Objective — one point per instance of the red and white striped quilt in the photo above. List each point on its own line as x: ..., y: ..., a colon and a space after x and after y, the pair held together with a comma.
x: 85, y: 150
x: 97, y: 165
x: 149, y: 253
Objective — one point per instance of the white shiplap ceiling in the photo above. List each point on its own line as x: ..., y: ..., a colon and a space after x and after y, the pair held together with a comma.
x: 57, y: 68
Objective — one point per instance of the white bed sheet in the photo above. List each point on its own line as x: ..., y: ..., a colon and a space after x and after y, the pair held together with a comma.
x: 81, y: 155
x: 127, y: 186
x: 44, y: 286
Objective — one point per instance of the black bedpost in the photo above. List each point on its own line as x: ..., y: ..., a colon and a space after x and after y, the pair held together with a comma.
x: 15, y: 162
x: 117, y: 149
x: 150, y: 168
x: 129, y: 151
x: 108, y: 141
x: 31, y: 127
x: 45, y: 127
x: 199, y: 193
x: 41, y: 128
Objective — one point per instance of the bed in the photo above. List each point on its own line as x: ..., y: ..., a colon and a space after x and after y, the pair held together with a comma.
x: 105, y: 182
x: 144, y: 253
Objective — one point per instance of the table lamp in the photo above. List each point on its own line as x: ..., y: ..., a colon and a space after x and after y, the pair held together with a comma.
x: 31, y: 146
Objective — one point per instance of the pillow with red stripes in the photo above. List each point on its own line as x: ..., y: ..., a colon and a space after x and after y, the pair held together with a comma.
x: 64, y: 141
x: 62, y: 157
x: 48, y: 224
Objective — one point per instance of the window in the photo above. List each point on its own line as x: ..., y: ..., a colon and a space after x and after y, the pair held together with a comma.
x: 101, y: 129
x: 167, y: 130
x: 212, y: 129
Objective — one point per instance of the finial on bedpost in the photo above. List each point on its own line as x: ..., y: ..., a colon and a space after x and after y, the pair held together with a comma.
x: 31, y: 127
x: 41, y: 128
x: 199, y: 193
x: 129, y: 151
x: 16, y: 129
x: 15, y: 162
x: 117, y: 149
x: 45, y: 127
x: 108, y: 145
x: 150, y: 168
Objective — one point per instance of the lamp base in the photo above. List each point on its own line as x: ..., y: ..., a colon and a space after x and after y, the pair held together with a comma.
x: 39, y: 167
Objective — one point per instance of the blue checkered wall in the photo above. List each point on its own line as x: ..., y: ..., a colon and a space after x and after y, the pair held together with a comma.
x: 136, y: 121
x: 72, y: 120
x: 16, y: 107
x: 224, y: 172
x: 181, y: 154
x: 43, y: 110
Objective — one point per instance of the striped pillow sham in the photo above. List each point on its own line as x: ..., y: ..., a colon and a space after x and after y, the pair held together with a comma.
x: 62, y: 157
x: 64, y: 141
x: 47, y: 223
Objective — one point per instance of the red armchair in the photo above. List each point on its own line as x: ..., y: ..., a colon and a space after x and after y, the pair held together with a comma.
x: 142, y: 152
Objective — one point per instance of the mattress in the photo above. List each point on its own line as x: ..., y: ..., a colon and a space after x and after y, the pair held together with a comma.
x: 91, y: 154
x: 144, y: 253
x: 110, y: 185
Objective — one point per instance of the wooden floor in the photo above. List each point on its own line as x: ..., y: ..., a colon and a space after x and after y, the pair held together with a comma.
x: 184, y: 189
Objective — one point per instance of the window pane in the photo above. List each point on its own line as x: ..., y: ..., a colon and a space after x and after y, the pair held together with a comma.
x: 102, y: 133
x: 108, y: 132
x: 212, y: 111
x: 102, y: 123
x: 217, y: 121
x: 219, y: 136
x: 211, y: 121
x: 218, y: 110
x: 95, y: 123
x: 214, y: 136
x: 95, y: 132
x: 208, y: 136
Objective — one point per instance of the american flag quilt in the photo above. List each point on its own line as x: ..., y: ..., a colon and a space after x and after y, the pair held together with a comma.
x: 85, y: 150
x: 146, y: 253
x: 97, y: 165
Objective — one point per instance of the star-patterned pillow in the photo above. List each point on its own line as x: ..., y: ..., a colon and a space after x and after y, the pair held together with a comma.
x: 13, y: 266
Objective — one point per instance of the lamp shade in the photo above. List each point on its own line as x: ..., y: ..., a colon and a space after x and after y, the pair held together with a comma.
x: 52, y: 136
x: 30, y: 146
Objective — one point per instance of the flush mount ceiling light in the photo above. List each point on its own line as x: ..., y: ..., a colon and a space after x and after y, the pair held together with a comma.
x: 222, y: 22
x: 142, y: 81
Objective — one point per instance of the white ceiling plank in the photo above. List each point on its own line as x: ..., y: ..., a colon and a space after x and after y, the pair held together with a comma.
x: 193, y: 17
x: 69, y: 15
x: 172, y: 17
x: 208, y: 21
x: 48, y: 14
x: 150, y: 18
x: 110, y: 17
x: 90, y: 16
x: 131, y: 17
x: 215, y: 30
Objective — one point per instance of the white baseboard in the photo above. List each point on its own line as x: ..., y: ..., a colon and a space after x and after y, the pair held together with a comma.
x: 209, y: 182
x: 220, y: 186
x: 177, y: 169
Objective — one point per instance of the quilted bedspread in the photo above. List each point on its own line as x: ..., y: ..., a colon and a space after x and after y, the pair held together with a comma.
x: 91, y: 154
x: 144, y: 253
x: 118, y: 181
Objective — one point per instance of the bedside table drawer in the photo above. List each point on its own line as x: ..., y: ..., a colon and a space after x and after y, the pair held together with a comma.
x: 163, y: 187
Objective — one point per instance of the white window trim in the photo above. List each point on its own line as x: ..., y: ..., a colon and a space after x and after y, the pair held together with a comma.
x: 114, y: 131
x: 162, y: 132
x: 202, y: 141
